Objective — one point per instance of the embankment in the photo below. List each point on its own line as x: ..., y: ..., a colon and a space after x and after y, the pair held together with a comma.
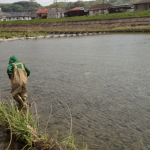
x: 78, y: 25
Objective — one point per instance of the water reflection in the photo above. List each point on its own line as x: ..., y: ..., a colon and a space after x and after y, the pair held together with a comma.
x: 103, y: 79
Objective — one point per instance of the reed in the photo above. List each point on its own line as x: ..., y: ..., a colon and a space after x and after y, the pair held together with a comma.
x: 23, y: 129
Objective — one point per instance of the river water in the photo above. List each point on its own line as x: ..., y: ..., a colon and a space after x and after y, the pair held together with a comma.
x: 103, y: 79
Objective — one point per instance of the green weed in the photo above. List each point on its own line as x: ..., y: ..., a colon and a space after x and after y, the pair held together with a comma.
x: 23, y: 129
x: 7, y: 34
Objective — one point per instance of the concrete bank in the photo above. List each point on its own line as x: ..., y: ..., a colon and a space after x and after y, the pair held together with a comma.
x: 67, y: 34
x: 96, y: 24
x: 51, y: 36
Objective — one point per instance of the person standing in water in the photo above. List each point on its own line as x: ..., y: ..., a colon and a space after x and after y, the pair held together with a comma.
x: 17, y: 73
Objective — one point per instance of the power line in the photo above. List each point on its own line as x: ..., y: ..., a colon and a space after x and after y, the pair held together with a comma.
x: 50, y: 2
x: 31, y: 6
x: 55, y: 1
x: 47, y: 2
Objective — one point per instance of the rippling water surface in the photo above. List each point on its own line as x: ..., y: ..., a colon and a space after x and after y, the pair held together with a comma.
x: 104, y: 80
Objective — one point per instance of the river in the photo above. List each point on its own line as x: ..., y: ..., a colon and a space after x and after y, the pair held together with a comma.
x: 103, y: 79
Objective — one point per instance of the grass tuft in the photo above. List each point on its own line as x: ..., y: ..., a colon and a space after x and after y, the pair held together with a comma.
x: 23, y: 129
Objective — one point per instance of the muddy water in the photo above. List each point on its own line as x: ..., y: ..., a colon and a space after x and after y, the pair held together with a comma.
x: 104, y: 80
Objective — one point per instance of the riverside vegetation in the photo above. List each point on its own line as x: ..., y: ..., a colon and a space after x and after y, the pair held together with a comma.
x: 24, y: 28
x: 35, y: 32
x: 20, y: 34
x: 7, y: 35
x: 24, y: 129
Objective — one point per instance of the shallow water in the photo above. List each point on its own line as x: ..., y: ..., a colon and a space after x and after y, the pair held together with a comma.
x: 104, y: 80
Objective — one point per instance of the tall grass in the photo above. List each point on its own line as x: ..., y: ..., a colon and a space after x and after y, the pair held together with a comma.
x: 23, y: 128
x: 134, y: 14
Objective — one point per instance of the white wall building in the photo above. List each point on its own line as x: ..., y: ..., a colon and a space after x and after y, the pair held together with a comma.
x: 10, y: 18
x: 19, y: 16
x: 53, y: 13
x: 2, y: 16
x: 99, y: 9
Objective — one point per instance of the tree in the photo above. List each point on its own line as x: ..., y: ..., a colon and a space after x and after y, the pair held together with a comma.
x: 17, y: 8
x: 6, y: 8
x: 22, y: 6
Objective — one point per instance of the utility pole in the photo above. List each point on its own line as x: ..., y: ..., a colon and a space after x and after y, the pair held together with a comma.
x: 56, y: 9
x: 103, y: 7
x: 65, y: 1
x: 31, y: 7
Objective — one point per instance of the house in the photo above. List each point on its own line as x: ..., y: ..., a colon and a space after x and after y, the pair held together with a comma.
x: 1, y: 17
x: 120, y: 8
x: 99, y: 9
x: 42, y: 13
x: 4, y: 15
x: 33, y: 16
x: 78, y: 11
x: 55, y: 13
x: 142, y: 5
x: 18, y: 16
x: 50, y: 13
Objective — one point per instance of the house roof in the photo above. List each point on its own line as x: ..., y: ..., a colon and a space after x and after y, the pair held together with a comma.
x: 33, y: 15
x: 19, y: 14
x: 100, y: 6
x: 77, y: 8
x: 58, y: 9
x: 45, y: 10
x: 5, y: 14
x: 142, y: 2
x: 127, y: 6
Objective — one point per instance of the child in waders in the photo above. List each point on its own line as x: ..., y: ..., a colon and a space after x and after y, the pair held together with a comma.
x: 18, y: 73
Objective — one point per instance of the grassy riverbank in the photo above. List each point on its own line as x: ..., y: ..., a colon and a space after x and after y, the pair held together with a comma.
x: 135, y: 14
x: 102, y: 29
x: 12, y: 33
x: 23, y: 129
x: 7, y: 34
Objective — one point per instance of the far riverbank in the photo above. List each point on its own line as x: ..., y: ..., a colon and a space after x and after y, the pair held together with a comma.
x: 12, y: 35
